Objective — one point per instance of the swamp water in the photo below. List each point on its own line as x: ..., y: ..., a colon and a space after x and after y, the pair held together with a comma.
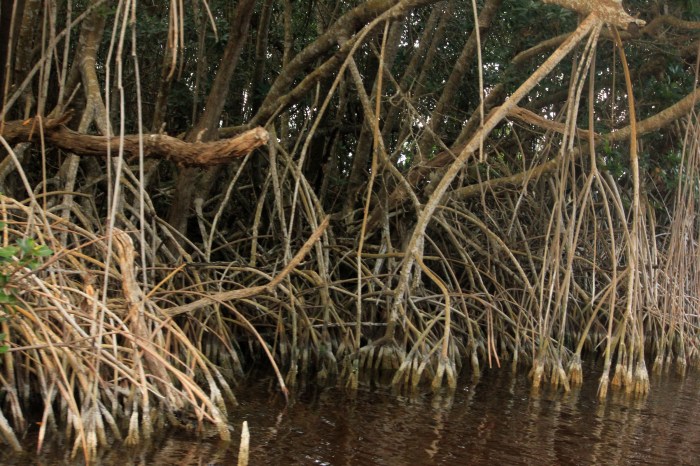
x: 497, y: 420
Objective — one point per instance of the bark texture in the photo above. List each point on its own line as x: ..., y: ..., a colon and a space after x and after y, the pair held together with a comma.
x: 159, y: 146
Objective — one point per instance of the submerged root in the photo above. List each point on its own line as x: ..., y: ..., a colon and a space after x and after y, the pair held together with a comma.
x: 619, y: 376
x: 381, y: 356
x: 559, y: 377
x: 350, y: 371
x: 389, y: 357
x: 629, y: 379
x: 133, y: 437
x: 328, y: 365
x: 409, y: 373
x: 575, y: 371
x: 537, y: 373
x: 681, y: 365
x: 641, y: 379
x: 658, y: 365
x: 446, y: 368
x: 603, y: 386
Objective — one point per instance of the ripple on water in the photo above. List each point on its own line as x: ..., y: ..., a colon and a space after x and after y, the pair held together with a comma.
x: 499, y: 420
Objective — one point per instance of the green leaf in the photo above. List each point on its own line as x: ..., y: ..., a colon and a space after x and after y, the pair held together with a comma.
x: 27, y: 245
x: 7, y: 298
x: 43, y: 251
x: 8, y: 251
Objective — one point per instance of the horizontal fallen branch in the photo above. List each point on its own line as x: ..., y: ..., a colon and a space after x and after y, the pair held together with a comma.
x: 154, y: 145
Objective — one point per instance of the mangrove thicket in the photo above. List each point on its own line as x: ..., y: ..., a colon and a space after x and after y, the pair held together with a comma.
x: 340, y: 190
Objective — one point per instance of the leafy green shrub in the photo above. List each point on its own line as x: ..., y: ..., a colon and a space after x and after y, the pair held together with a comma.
x: 24, y: 253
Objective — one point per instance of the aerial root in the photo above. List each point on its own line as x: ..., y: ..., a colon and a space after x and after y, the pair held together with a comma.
x: 304, y: 361
x: 8, y: 433
x: 419, y: 372
x: 514, y: 362
x: 222, y: 428
x: 291, y: 379
x: 406, y: 373
x: 692, y: 357
x: 381, y: 356
x: 366, y: 356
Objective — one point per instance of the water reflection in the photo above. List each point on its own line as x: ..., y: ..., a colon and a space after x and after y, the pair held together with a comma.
x: 497, y: 420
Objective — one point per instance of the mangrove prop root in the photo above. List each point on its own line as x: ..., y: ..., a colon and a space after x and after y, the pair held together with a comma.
x: 603, y: 386
x: 537, y: 374
x: 641, y: 379
x: 575, y: 371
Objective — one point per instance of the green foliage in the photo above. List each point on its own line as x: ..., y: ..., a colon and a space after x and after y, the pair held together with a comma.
x: 613, y: 160
x: 693, y: 9
x: 25, y: 253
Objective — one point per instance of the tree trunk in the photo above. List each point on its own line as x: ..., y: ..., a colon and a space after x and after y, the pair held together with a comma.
x: 432, y: 34
x: 189, y: 180
x: 466, y: 58
x: 363, y: 150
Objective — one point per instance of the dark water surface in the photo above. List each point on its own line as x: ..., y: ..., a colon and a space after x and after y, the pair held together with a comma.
x: 498, y: 420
